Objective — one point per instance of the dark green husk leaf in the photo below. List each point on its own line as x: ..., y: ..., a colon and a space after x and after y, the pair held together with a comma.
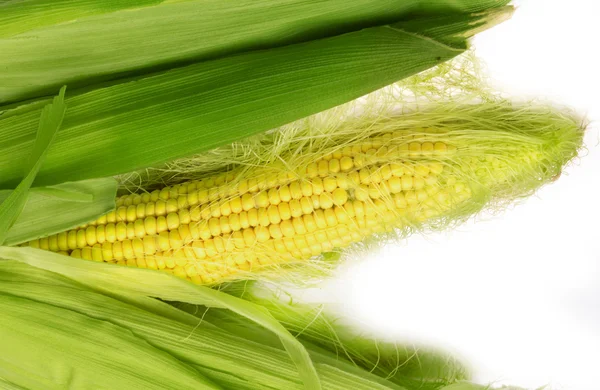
x: 173, y: 114
x: 114, y: 39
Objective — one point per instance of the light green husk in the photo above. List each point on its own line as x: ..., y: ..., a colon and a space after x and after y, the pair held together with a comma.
x: 415, y: 366
x: 104, y: 307
x: 172, y: 114
x: 117, y: 40
x: 13, y: 203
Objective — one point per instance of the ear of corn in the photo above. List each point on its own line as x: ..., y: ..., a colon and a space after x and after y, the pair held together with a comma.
x: 173, y: 114
x: 36, y: 62
x: 388, y: 179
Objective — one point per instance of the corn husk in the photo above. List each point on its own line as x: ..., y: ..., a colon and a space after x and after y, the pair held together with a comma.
x: 61, y: 330
x: 172, y: 114
x: 121, y: 39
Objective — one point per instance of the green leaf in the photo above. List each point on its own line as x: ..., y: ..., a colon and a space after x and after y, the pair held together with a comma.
x: 126, y: 280
x: 228, y: 359
x: 111, y: 41
x: 51, y: 210
x: 49, y: 123
x: 154, y: 119
x: 47, y: 347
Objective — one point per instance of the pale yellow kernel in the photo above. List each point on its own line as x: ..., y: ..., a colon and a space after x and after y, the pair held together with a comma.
x: 253, y: 217
x: 394, y: 184
x: 359, y: 209
x: 261, y: 199
x: 385, y: 172
x: 111, y: 217
x: 80, y: 240
x: 225, y: 225
x: 421, y: 195
x: 262, y: 234
x: 346, y: 164
x: 407, y: 182
x: 130, y: 230
x: 127, y: 249
x: 137, y: 246
x: 289, y: 243
x: 364, y: 176
x: 214, y: 225
x: 101, y: 220
x: 315, y: 201
x: 325, y: 200
x: 61, y: 242
x: 149, y: 244
x: 234, y: 222
x: 341, y: 215
x: 213, y: 194
x: 172, y: 221
x: 397, y: 169
x: 339, y: 196
x: 175, y: 239
x: 86, y: 253
x: 298, y: 224
x: 273, y: 195
x: 411, y: 198
x: 280, y: 246
x: 295, y: 208
x: 323, y: 168
x: 244, y: 223
x: 329, y: 184
x: 263, y: 217
x: 253, y: 184
x: 309, y: 222
x: 306, y: 205
x: 306, y: 188
x: 284, y: 211
x: 184, y: 216
x: 249, y: 237
x: 317, y: 186
x: 202, y: 196
x: 440, y: 147
x: 160, y: 207
x: 427, y: 148
x: 334, y: 165
x: 295, y: 190
x: 361, y: 193
x: 225, y: 208
x: 287, y: 228
x: 330, y: 217
x: 275, y: 231
x: 285, y: 194
x: 198, y: 249
x: 320, y: 220
x: 400, y: 201
x: 418, y: 183
x: 215, y: 210
x: 312, y: 170
x: 122, y: 213
x: 349, y: 209
x: 76, y: 253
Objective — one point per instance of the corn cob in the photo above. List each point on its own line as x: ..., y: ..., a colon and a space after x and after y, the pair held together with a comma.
x: 222, y: 226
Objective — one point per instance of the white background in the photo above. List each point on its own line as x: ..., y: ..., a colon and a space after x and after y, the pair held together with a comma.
x: 516, y: 294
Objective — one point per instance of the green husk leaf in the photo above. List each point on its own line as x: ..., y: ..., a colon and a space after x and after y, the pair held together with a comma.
x: 21, y: 16
x: 45, y: 347
x: 126, y: 280
x: 49, y: 123
x: 225, y: 27
x: 408, y: 366
x: 50, y: 210
x: 176, y: 113
x: 227, y: 359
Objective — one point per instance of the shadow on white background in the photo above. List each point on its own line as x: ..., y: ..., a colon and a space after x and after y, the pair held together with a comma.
x: 516, y: 294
